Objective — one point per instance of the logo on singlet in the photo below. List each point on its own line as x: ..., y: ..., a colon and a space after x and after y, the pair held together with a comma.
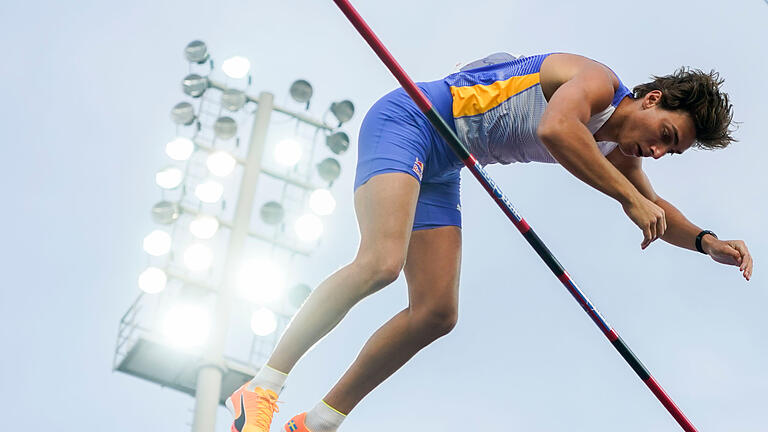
x: 418, y: 168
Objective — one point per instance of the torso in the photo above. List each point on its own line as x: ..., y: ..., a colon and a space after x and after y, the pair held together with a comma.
x: 497, y: 106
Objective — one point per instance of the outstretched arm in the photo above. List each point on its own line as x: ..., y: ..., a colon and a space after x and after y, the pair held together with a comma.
x: 586, y: 89
x: 680, y: 231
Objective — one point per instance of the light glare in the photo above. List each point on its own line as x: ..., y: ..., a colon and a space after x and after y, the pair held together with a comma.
x: 322, y: 202
x: 220, y: 163
x: 308, y: 228
x: 180, y: 148
x: 204, y: 227
x: 187, y: 325
x: 236, y: 67
x: 157, y: 243
x: 263, y: 322
x: 209, y: 191
x: 261, y: 281
x: 288, y: 152
x: 169, y: 178
x: 152, y: 280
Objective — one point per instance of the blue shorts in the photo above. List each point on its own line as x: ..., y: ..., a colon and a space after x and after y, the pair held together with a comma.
x: 395, y: 136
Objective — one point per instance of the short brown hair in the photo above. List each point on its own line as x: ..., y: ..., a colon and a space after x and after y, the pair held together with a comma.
x: 697, y: 93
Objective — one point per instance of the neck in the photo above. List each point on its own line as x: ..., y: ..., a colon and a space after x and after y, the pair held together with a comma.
x: 612, y: 127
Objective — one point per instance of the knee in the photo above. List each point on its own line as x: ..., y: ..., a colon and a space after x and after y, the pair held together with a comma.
x: 380, y: 269
x: 436, y: 321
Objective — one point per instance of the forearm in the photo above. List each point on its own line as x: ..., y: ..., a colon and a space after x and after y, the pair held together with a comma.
x: 575, y: 149
x: 680, y: 231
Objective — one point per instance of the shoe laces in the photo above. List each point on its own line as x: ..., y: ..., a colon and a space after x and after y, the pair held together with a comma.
x: 266, y: 408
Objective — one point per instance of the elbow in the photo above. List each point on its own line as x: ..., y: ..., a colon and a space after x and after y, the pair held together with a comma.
x: 545, y: 133
x: 550, y: 132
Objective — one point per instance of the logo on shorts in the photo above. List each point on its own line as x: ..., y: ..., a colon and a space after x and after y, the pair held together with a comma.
x: 418, y: 168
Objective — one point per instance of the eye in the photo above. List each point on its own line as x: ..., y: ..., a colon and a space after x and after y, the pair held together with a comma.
x: 665, y: 134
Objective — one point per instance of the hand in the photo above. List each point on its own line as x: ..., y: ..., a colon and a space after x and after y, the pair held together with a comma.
x: 649, y: 217
x: 730, y: 252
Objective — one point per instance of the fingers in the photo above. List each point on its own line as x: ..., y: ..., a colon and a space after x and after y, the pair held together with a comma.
x: 746, y: 262
x: 661, y: 225
x: 655, y: 230
x: 648, y: 237
x: 650, y: 218
x: 748, y: 268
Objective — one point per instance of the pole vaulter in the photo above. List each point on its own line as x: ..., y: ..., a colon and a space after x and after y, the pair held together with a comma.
x: 506, y: 206
x: 549, y: 108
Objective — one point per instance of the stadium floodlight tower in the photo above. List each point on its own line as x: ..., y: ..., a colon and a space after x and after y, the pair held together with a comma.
x: 201, y: 270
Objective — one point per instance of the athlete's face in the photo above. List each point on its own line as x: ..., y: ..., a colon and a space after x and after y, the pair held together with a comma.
x: 651, y: 131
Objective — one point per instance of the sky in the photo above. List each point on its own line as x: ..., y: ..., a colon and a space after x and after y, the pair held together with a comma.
x: 89, y: 85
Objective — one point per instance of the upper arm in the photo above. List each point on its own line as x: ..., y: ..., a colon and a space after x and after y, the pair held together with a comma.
x: 577, y: 88
x: 632, y: 169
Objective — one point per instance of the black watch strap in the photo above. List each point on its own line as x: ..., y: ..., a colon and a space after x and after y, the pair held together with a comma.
x: 698, y: 239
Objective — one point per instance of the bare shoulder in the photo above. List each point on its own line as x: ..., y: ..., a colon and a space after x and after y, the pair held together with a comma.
x: 557, y: 69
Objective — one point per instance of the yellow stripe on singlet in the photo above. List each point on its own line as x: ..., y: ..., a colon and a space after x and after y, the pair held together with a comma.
x: 480, y: 98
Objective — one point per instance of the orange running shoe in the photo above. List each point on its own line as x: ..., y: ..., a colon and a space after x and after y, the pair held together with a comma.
x: 297, y: 424
x: 252, y: 409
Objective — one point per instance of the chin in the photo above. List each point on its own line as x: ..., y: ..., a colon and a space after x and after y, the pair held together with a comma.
x: 624, y: 151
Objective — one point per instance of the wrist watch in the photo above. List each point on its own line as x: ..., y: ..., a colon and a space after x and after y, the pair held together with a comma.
x: 698, y: 239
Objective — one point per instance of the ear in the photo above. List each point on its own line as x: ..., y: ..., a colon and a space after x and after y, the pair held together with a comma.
x: 651, y: 99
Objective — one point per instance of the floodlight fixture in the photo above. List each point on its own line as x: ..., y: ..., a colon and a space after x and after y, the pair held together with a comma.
x: 236, y: 67
x: 183, y: 113
x: 209, y: 191
x: 263, y: 322
x: 157, y: 243
x: 169, y: 178
x: 272, y: 213
x: 321, y: 202
x: 187, y: 325
x: 165, y: 212
x: 329, y: 169
x: 343, y: 111
x: 152, y: 280
x: 225, y: 128
x: 198, y: 257
x: 196, y: 52
x: 194, y: 85
x: 301, y: 91
x: 233, y: 99
x: 261, y: 281
x: 180, y: 148
x: 204, y: 226
x: 297, y: 294
x: 338, y: 142
x: 288, y: 152
x: 308, y: 228
x: 220, y: 163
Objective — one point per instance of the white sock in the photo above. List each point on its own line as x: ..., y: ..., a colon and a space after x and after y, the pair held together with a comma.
x: 324, y: 418
x: 269, y: 379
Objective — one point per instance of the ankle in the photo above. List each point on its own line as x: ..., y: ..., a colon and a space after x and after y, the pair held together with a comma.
x: 269, y: 378
x: 324, y: 418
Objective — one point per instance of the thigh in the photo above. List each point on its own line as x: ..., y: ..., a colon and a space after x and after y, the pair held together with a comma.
x: 432, y: 268
x: 385, y: 207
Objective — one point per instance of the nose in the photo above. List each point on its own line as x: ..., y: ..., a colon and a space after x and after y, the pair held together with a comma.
x: 658, y: 151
